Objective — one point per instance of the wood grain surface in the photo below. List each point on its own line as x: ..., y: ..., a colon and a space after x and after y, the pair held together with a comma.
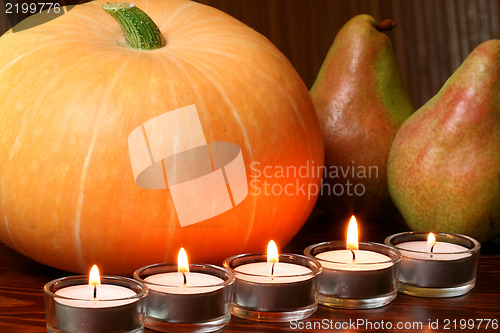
x: 22, y: 280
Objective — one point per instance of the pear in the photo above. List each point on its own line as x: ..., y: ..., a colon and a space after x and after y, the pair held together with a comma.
x: 444, y: 165
x: 361, y: 102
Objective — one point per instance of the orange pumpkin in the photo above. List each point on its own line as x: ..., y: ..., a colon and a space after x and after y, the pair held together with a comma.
x: 71, y: 94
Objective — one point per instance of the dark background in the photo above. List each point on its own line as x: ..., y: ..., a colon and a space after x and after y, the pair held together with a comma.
x: 431, y: 40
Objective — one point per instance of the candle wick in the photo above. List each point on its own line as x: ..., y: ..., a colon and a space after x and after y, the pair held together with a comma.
x: 272, y: 268
x: 95, y: 290
x: 432, y: 248
x: 353, y: 255
x: 184, y: 277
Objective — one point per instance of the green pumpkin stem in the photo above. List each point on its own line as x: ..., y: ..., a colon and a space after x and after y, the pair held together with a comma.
x: 139, y: 29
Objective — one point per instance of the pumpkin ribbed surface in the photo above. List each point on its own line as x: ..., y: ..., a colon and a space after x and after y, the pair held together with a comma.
x: 71, y: 92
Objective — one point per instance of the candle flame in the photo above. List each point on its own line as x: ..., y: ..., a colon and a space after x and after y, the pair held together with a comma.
x: 94, y: 277
x: 94, y: 280
x: 431, y: 239
x: 182, y: 261
x: 352, y: 234
x: 272, y: 252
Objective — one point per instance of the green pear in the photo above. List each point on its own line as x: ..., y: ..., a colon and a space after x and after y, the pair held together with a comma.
x: 361, y: 102
x: 444, y: 165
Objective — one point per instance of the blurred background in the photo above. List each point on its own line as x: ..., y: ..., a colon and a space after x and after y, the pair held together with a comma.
x: 431, y: 39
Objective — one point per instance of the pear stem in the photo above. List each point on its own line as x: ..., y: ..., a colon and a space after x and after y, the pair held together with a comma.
x: 385, y: 25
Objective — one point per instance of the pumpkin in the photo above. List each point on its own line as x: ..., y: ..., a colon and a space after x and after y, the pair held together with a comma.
x: 72, y: 90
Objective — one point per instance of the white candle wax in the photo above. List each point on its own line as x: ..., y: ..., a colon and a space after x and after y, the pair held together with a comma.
x: 343, y: 260
x: 108, y: 295
x: 441, y: 251
x: 173, y: 283
x: 283, y: 272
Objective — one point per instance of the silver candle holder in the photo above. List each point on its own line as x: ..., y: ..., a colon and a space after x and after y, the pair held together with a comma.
x: 436, y: 273
x: 190, y: 308
x: 264, y: 297
x: 356, y: 285
x: 74, y: 314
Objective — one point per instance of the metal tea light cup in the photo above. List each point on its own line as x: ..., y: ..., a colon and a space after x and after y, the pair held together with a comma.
x: 371, y: 285
x: 430, y: 274
x: 199, y: 309
x: 65, y: 314
x: 274, y: 298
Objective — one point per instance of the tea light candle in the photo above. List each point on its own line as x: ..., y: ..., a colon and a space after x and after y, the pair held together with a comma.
x: 164, y: 282
x: 441, y: 265
x: 92, y: 295
x: 433, y: 250
x: 72, y: 305
x: 355, y: 275
x: 343, y: 260
x: 186, y: 297
x: 275, y: 287
x: 268, y: 271
x: 272, y: 271
x: 183, y: 281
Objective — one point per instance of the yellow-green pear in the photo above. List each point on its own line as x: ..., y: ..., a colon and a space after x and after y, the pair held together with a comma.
x: 361, y: 102
x: 444, y: 165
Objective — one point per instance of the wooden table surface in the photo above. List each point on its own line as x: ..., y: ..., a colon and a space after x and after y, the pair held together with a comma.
x: 22, y: 309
